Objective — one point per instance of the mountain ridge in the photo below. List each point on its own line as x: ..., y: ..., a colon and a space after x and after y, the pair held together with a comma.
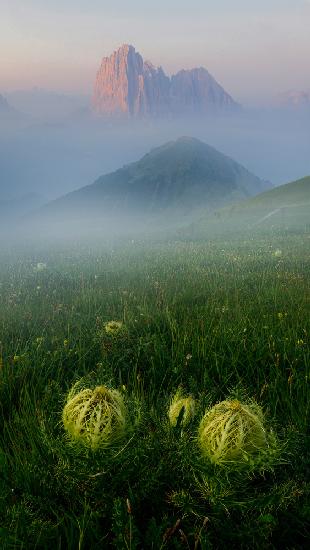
x: 126, y: 85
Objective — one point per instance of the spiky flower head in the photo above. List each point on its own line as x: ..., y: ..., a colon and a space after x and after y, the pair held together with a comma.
x: 232, y: 431
x: 181, y: 405
x: 95, y: 418
x: 113, y: 327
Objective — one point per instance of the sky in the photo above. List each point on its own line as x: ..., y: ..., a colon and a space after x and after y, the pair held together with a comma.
x: 254, y: 48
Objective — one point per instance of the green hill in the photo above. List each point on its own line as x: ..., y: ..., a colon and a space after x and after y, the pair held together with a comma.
x: 177, y: 178
x: 288, y: 195
x: 284, y: 207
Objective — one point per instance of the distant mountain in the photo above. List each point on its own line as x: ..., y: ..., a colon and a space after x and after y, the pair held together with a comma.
x: 15, y: 208
x: 4, y: 106
x: 171, y: 181
x: 46, y: 104
x: 294, y: 99
x: 283, y: 207
x: 6, y: 110
x: 126, y: 85
x: 10, y: 120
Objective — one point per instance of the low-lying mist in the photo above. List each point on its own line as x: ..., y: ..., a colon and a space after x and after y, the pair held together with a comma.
x: 52, y: 159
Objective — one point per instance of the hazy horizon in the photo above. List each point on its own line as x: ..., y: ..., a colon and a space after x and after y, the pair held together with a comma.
x: 53, y: 159
x: 55, y: 145
x: 254, y: 50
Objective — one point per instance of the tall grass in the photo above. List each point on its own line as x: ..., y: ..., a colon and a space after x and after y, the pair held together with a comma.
x: 220, y: 318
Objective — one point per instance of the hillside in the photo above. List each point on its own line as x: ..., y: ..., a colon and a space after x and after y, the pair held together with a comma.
x: 287, y: 195
x: 285, y: 207
x: 177, y: 178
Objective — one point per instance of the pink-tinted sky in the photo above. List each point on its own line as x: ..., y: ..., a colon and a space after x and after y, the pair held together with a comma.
x: 255, y: 48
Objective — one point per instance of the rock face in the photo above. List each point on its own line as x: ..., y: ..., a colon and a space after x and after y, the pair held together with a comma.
x: 196, y: 91
x: 126, y: 85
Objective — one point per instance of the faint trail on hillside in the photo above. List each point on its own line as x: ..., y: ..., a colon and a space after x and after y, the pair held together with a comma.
x: 268, y: 216
x: 273, y: 212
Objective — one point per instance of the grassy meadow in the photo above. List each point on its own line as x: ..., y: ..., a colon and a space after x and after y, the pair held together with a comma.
x: 220, y: 318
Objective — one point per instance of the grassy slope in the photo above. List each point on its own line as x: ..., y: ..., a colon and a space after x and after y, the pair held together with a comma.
x: 296, y: 192
x: 287, y: 206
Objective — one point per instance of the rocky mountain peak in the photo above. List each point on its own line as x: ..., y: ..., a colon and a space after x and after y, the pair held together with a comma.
x: 126, y: 85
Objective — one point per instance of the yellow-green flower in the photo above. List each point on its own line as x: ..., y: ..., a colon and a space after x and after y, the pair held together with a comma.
x: 178, y: 404
x: 231, y: 431
x: 95, y: 418
x: 113, y: 327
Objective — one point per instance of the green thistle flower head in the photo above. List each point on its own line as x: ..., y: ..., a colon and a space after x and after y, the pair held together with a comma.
x: 113, y: 328
x: 95, y: 418
x: 231, y: 431
x: 179, y: 403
